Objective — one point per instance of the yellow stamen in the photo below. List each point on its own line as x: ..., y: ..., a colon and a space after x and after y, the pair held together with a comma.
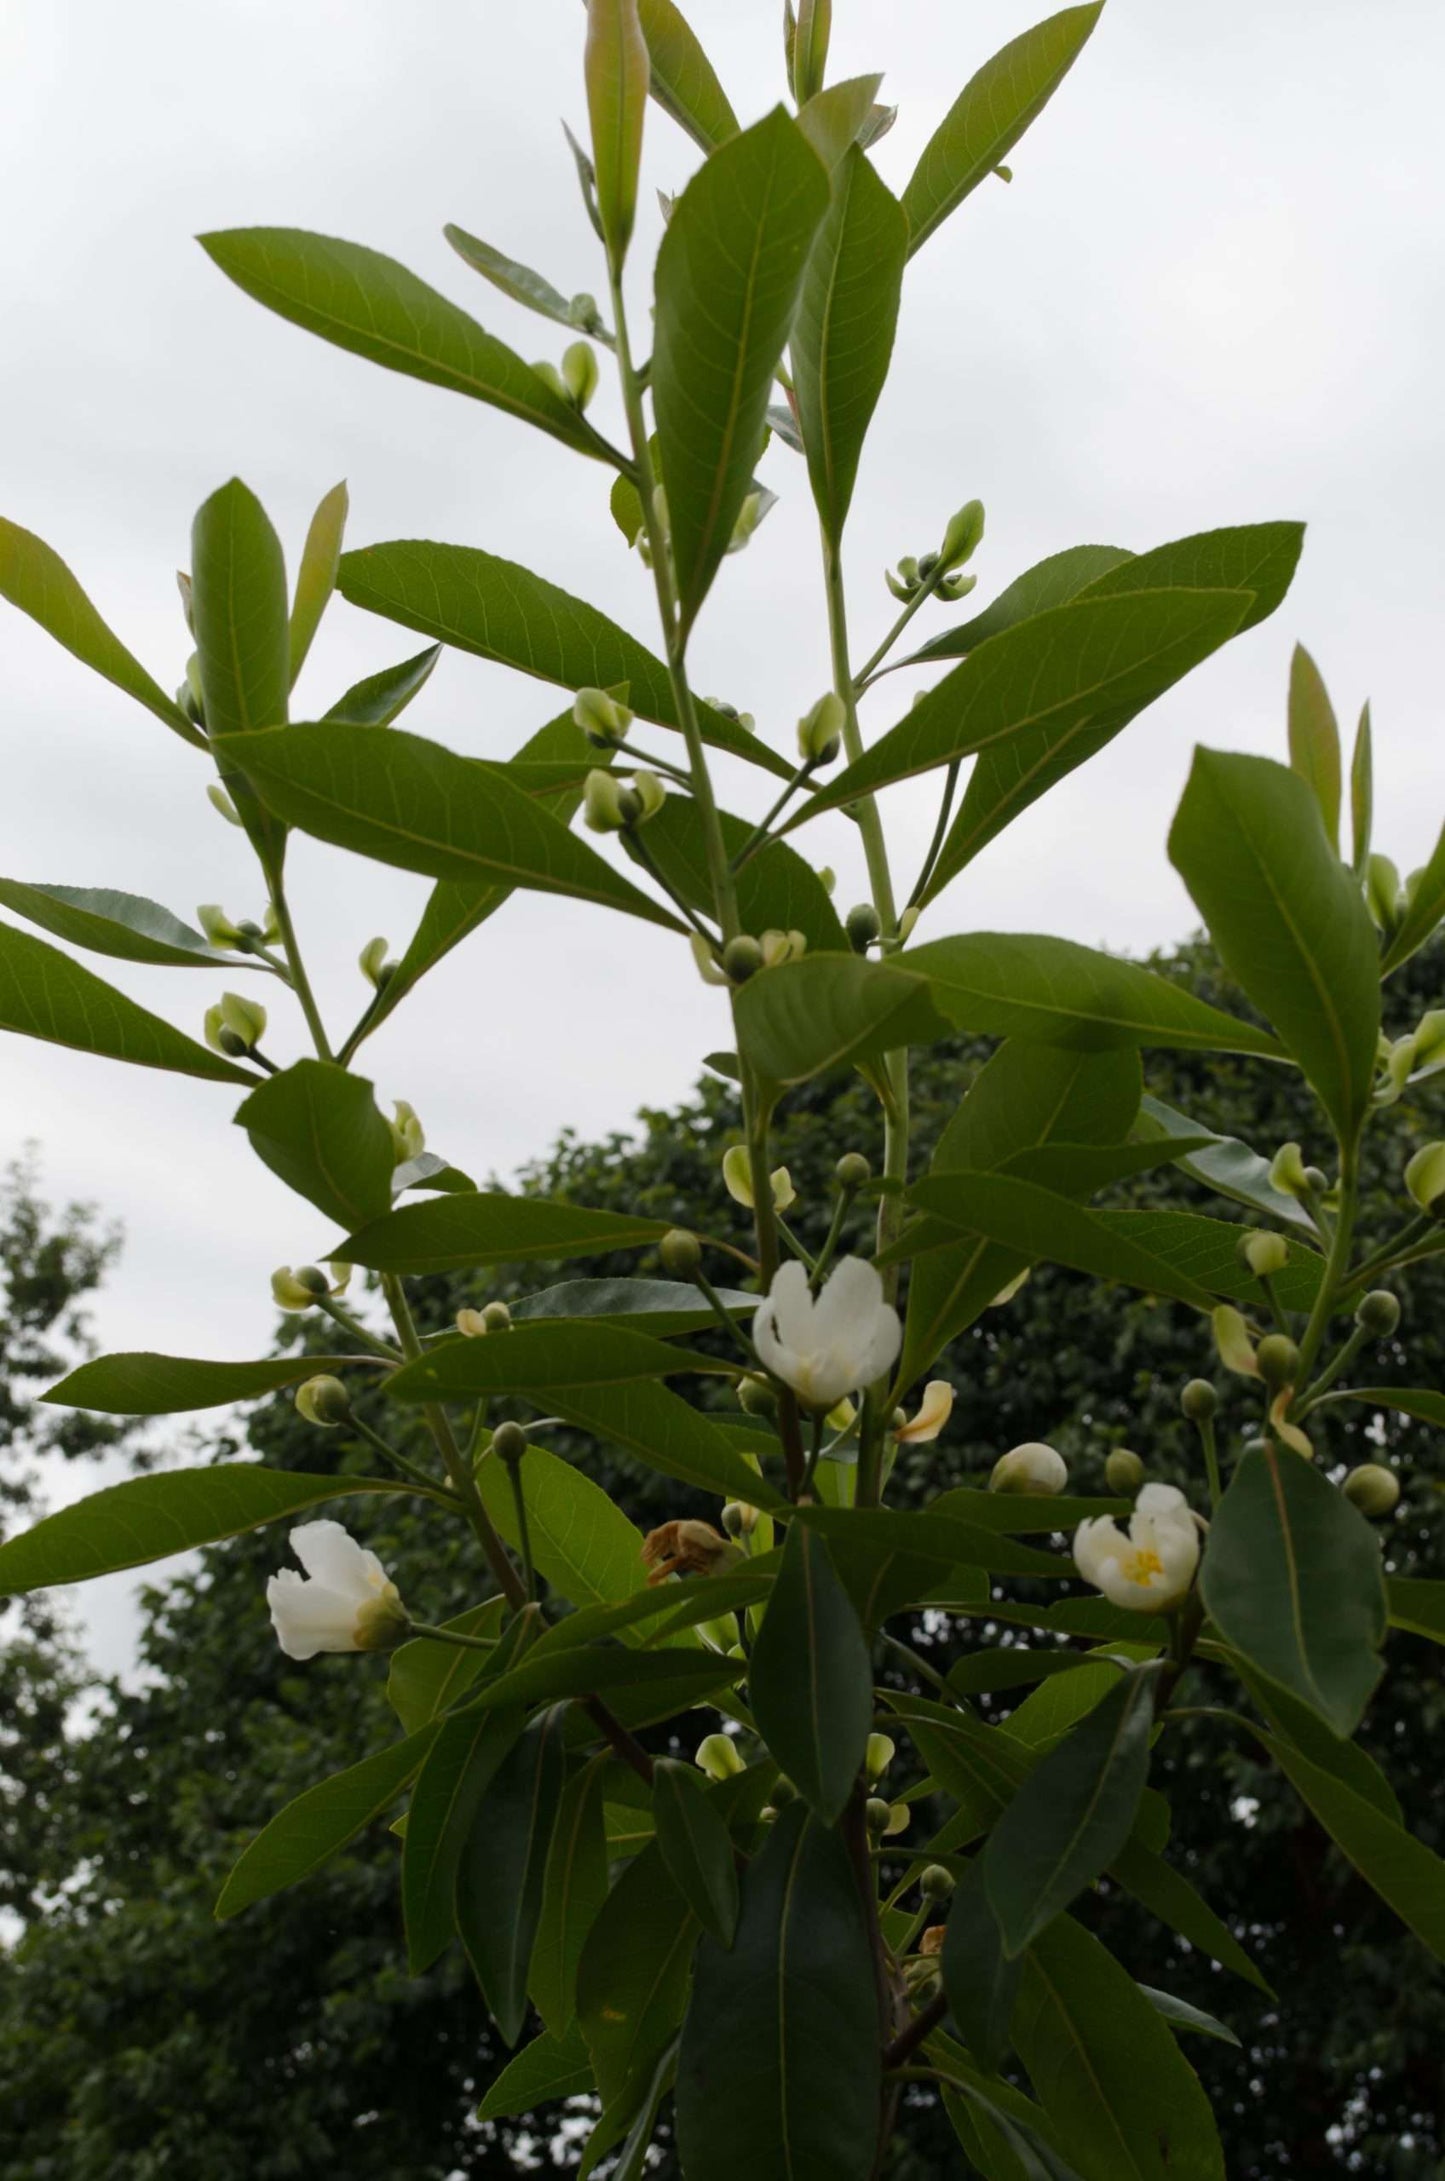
x: 1141, y: 1564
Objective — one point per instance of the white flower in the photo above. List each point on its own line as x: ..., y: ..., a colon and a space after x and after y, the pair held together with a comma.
x: 934, y: 1411
x: 345, y: 1602
x: 831, y: 1345
x: 1151, y: 1569
x: 1033, y: 1468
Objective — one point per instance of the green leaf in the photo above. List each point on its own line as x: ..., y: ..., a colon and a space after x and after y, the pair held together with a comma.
x: 1402, y: 1870
x: 380, y: 698
x: 694, y: 1842
x: 44, y: 994
x: 661, y: 1307
x: 1181, y: 2016
x: 617, y: 72
x: 1292, y: 1578
x: 1025, y: 985
x: 1050, y: 582
x: 843, y: 339
x: 1427, y: 906
x: 1260, y: 558
x: 1227, y: 1166
x: 1106, y: 2068
x: 776, y: 889
x: 320, y: 1823
x: 933, y: 1534
x: 499, y: 1874
x: 728, y: 277
x: 38, y: 581
x: 1303, y: 1729
x: 463, y: 1760
x: 1011, y: 1666
x: 1362, y: 794
x: 1066, y: 1825
x: 316, y: 576
x: 498, y: 610
x: 125, y: 926
x: 990, y: 114
x: 318, y: 1127
x: 683, y: 82
x: 574, y: 1887
x: 826, y: 1010
x: 1417, y: 1605
x: 582, y: 1543
x: 239, y: 613
x: 632, y: 1981
x: 1288, y: 920
x: 835, y: 119
x: 810, y: 1681
x: 980, y: 1979
x: 543, y: 1358
x: 1167, y: 1894
x: 454, y: 1232
x: 1314, y: 740
x: 150, y: 1518
x: 401, y: 800
x: 552, y: 2066
x: 1037, y: 1224
x: 519, y: 282
x: 667, y: 1434
x: 150, y: 1385
x: 1207, y: 1251
x: 425, y: 1678
x: 369, y: 304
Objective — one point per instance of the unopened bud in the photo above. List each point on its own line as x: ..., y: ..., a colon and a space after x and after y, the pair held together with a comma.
x: 862, y: 926
x: 234, y: 1025
x: 852, y: 1171
x: 1287, y: 1172
x: 742, y: 958
x: 820, y: 731
x: 1425, y: 1178
x: 1033, y: 1469
x: 298, y: 1290
x: 323, y: 1401
x: 583, y: 312
x: 579, y: 373
x: 1378, y: 1313
x: 877, y: 1814
x: 720, y: 1758
x: 217, y: 926
x: 1382, y: 892
x: 602, y: 719
x: 602, y: 810
x: 650, y: 795
x: 782, y: 946
x: 681, y: 1253
x: 1265, y: 1254
x: 509, y: 1442
x: 1123, y: 1471
x: 496, y: 1317
x: 936, y: 1883
x: 1278, y: 1360
x: 904, y: 582
x: 738, y: 1519
x: 373, y: 963
x: 471, y: 1324
x: 219, y: 800
x: 1199, y: 1401
x: 879, y: 1755
x: 551, y: 377
x: 756, y: 1396
x: 828, y: 879
x: 962, y: 538
x: 407, y: 1134
x: 1373, y: 1488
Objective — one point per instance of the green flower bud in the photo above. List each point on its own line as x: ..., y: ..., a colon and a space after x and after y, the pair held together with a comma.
x: 1123, y: 1471
x: 602, y: 719
x: 879, y: 1755
x: 877, y: 1814
x: 579, y: 373
x: 1378, y: 1313
x: 583, y: 312
x: 497, y: 1318
x: 681, y: 1253
x: 936, y: 1883
x: 719, y: 1757
x: 650, y: 794
x: 1382, y: 892
x: 1278, y: 1360
x: 951, y: 588
x: 552, y: 377
x: 1033, y: 1469
x: 1264, y: 1253
x: 509, y: 1442
x: 297, y: 1290
x: 1425, y: 1178
x: 903, y: 585
x: 219, y: 800
x: 820, y: 732
x: 323, y: 1400
x: 756, y: 1396
x: 962, y: 538
x: 1287, y: 1172
x: 1373, y: 1488
x: 862, y: 926
x: 1430, y: 1037
x: 852, y: 1171
x: 217, y: 926
x: 738, y: 1519
x: 602, y: 810
x: 742, y: 958
x: 782, y: 946
x: 373, y: 963
x: 1199, y: 1401
x: 242, y: 1021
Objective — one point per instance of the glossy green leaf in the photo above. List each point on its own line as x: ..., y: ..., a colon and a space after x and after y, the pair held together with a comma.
x: 125, y: 926
x: 1422, y: 917
x: 827, y: 1010
x: 1181, y: 2016
x: 1037, y: 1224
x: 551, y: 2066
x: 1044, y: 1719
x: 1050, y: 582
x: 365, y: 302
x: 542, y: 1358
x: 150, y: 1385
x: 1417, y: 1605
x: 378, y: 699
x: 574, y: 1887
x: 632, y: 1981
x: 1106, y: 2068
x: 44, y: 994
x: 617, y: 73
x: 565, y: 1670
x: 405, y: 801
x: 1260, y: 558
x: 810, y: 1681
x: 524, y: 286
x: 1314, y: 740
x: 37, y: 580
x: 316, y: 576
x: 1226, y: 1166
x: 1288, y: 920
x: 582, y: 1542
x: 990, y: 114
x: 843, y: 339
x: 239, y: 613
x: 319, y: 1128
x: 667, y: 1434
x: 1067, y: 1824
x: 660, y: 1307
x: 728, y: 277
x: 1402, y: 1870
x: 981, y: 1980
x: 149, y: 1518
x: 1055, y: 992
x: 793, y: 2008
x: 454, y: 1232
x: 498, y: 610
x: 1292, y: 1578
x: 684, y: 83
x: 320, y: 1823
x: 469, y: 1748
x: 695, y: 1845
x: 425, y: 1678
x: 1207, y: 1252
x: 499, y: 1874
x: 777, y: 890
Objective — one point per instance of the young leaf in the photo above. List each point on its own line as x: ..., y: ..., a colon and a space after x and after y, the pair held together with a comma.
x: 1050, y: 582
x: 696, y: 1846
x: 1067, y: 1824
x: 239, y: 613
x: 519, y: 282
x: 810, y: 1681
x: 124, y: 926
x: 1421, y: 918
x: 320, y: 1823
x: 38, y: 581
x: 1227, y: 1166
x: 836, y: 119
x: 499, y: 1874
x: 454, y: 1232
x: 683, y: 81
x: 810, y: 48
x: 44, y: 994
x: 319, y: 1128
x: 316, y: 576
x: 1288, y: 920
x: 460, y: 1766
x: 574, y: 1887
x: 380, y: 698
x: 365, y: 302
x: 821, y: 1011
x: 793, y: 2008
x: 544, y: 1358
x: 552, y: 2066
x: 728, y: 276
x: 1314, y: 740
x: 617, y: 74
x: 981, y: 1980
x: 990, y: 114
x: 152, y: 1385
x: 1292, y: 1578
x: 412, y: 803
x: 150, y: 1518
x: 1401, y: 1869
x: 847, y: 315
x: 632, y: 1980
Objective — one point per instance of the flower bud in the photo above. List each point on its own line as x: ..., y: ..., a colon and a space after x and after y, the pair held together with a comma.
x: 1278, y: 1360
x: 471, y: 1324
x: 1231, y: 1338
x: 1425, y: 1178
x: 323, y: 1400
x: 820, y: 731
x: 509, y: 1442
x: 1382, y: 892
x: 877, y: 1814
x: 1430, y: 1037
x: 852, y: 1171
x: 681, y: 1253
x: 755, y: 506
x: 737, y: 1175
x: 217, y: 926
x: 936, y: 1883
x: 903, y: 584
x: 551, y: 377
x: 879, y: 1755
x: 907, y: 922
x: 242, y: 1022
x: 782, y: 946
x: 900, y: 1817
x: 1123, y: 1471
x: 650, y: 794
x: 582, y: 311
x: 497, y: 1318
x: 757, y: 1396
x: 828, y: 879
x: 1199, y: 1401
x: 1287, y: 1172
x: 720, y: 1758
x: 602, y: 719
x: 1373, y: 1488
x: 862, y: 926
x: 1264, y: 1253
x: 738, y: 1519
x: 742, y: 958
x: 219, y: 800
x: 407, y: 1134
x: 602, y: 810
x: 297, y: 1290
x: 951, y: 588
x: 1033, y: 1469
x: 962, y: 538
x: 1378, y: 1313
x: 579, y: 373
x: 373, y: 964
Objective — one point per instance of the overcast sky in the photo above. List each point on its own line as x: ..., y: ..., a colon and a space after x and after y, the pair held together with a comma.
x: 1212, y: 294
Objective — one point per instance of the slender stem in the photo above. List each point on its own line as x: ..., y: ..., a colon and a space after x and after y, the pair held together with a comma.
x: 723, y: 1315
x: 1338, y: 1261
x: 342, y: 1317
x: 524, y: 1541
x: 1414, y: 1231
x: 633, y: 837
x: 945, y: 812
x: 1335, y: 1368
x: 910, y: 2038
x: 832, y: 1238
x: 1204, y: 1425
x: 453, y: 1636
x: 400, y: 1461
x: 255, y: 1054
x: 920, y: 597
x: 854, y: 1828
x: 760, y: 832
x: 921, y: 1666
x: 797, y: 1248
x: 299, y: 977
x: 627, y: 1746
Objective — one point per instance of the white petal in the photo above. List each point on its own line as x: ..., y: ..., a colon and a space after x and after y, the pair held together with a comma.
x: 308, y: 1617
x: 852, y: 1294
x: 1097, y: 1542
x: 794, y: 1312
x: 1162, y: 1499
x: 885, y: 1338
x: 1134, y: 1597
x: 330, y: 1554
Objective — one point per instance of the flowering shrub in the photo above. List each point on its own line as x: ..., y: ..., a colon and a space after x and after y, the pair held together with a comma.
x: 757, y: 1930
